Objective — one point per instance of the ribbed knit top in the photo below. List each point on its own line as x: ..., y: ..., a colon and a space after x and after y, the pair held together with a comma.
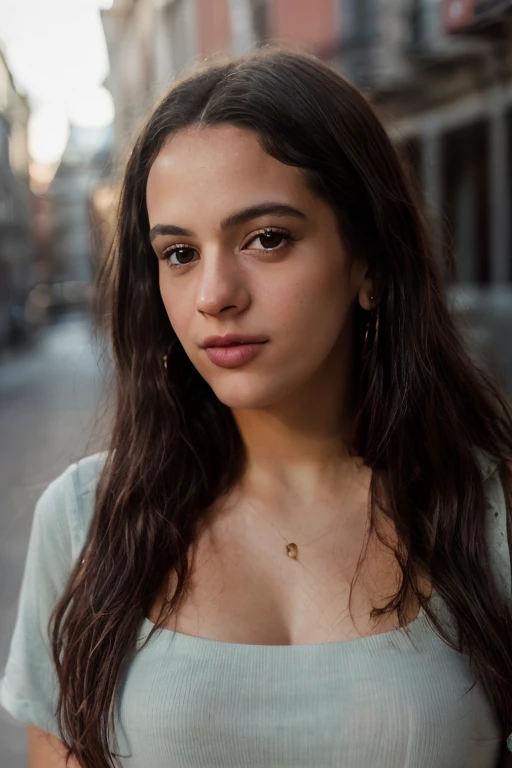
x: 401, y: 699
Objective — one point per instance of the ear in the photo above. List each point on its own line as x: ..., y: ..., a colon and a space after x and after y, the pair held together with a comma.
x: 366, y: 294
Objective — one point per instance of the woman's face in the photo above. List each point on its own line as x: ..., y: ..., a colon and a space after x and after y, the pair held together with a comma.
x: 245, y: 247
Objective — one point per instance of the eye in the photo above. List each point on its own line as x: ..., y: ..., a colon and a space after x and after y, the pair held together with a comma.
x: 270, y: 239
x: 183, y: 253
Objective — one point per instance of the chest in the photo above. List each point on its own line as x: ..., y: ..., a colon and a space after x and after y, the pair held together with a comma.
x: 245, y: 589
x: 389, y: 701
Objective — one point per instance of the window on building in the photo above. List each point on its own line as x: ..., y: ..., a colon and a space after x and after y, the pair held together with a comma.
x: 362, y: 18
x: 175, y: 14
x: 417, y: 25
x: 259, y: 11
x: 425, y: 22
x: 465, y: 159
x: 358, y: 49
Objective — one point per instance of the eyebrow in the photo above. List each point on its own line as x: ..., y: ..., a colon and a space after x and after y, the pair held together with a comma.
x: 240, y: 217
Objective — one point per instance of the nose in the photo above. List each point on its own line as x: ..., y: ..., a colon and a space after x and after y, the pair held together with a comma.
x: 221, y: 285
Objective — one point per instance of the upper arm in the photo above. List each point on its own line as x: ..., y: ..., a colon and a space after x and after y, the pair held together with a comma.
x: 46, y: 751
x: 29, y: 687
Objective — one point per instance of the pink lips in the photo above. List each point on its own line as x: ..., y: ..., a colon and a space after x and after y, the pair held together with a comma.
x: 235, y: 355
x: 233, y: 349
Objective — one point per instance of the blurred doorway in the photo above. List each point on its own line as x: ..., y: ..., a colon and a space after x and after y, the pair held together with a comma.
x: 465, y: 164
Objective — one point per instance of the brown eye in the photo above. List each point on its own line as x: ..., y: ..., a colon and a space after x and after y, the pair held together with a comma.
x: 183, y: 254
x: 270, y: 240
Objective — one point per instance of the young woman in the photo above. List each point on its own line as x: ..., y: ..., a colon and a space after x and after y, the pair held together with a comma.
x: 295, y: 550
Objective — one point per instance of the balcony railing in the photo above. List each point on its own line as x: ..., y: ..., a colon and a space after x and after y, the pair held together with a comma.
x: 425, y: 25
x: 475, y: 15
x: 429, y: 40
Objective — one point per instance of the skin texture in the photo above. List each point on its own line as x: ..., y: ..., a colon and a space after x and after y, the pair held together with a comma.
x: 289, y: 402
x: 298, y: 295
x: 46, y: 750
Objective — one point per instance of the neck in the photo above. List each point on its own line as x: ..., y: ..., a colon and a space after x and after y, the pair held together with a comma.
x: 297, y: 452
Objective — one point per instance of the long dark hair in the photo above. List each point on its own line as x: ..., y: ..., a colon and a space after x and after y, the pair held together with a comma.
x: 422, y: 405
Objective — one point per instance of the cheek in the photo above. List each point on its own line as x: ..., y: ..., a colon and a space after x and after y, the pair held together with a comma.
x: 176, y: 305
x: 314, y: 305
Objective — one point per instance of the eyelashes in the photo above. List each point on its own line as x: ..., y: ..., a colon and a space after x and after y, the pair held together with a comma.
x: 181, y: 250
x: 168, y: 253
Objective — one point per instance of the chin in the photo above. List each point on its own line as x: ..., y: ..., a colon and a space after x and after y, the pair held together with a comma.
x: 243, y: 395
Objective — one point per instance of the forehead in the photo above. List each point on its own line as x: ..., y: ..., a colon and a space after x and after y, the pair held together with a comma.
x: 222, y: 167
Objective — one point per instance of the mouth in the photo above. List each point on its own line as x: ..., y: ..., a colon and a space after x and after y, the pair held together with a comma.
x: 232, y: 340
x: 234, y: 354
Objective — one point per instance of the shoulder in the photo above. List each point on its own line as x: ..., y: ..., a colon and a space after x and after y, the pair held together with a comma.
x: 64, y: 510
x: 497, y: 523
x: 30, y: 685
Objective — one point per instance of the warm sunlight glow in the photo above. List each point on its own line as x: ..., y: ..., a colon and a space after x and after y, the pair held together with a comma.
x: 57, y: 53
x: 41, y: 176
x: 48, y: 132
x: 91, y: 108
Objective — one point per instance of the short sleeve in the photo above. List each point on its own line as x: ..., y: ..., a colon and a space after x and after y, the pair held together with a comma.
x: 498, y: 537
x: 29, y: 688
x: 498, y: 532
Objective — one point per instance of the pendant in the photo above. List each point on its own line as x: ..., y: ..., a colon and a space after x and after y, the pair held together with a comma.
x: 292, y: 551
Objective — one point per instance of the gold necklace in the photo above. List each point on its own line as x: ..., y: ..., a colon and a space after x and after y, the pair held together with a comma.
x: 291, y: 549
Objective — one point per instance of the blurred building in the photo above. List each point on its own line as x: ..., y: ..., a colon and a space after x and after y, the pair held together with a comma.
x: 445, y: 87
x: 438, y: 71
x: 84, y: 163
x: 16, y: 245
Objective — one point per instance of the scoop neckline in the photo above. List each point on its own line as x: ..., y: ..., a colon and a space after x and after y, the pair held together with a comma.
x: 207, y: 642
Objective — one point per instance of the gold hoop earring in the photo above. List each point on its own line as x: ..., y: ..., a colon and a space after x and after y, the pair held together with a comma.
x: 365, y: 339
x: 366, y: 335
x: 165, y: 361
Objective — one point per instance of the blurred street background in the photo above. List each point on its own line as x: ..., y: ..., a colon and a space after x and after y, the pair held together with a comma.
x: 76, y: 81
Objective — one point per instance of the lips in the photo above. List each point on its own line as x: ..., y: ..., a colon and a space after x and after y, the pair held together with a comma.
x: 231, y: 339
x: 234, y: 355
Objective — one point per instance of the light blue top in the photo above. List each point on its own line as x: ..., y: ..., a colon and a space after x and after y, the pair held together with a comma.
x: 393, y: 700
